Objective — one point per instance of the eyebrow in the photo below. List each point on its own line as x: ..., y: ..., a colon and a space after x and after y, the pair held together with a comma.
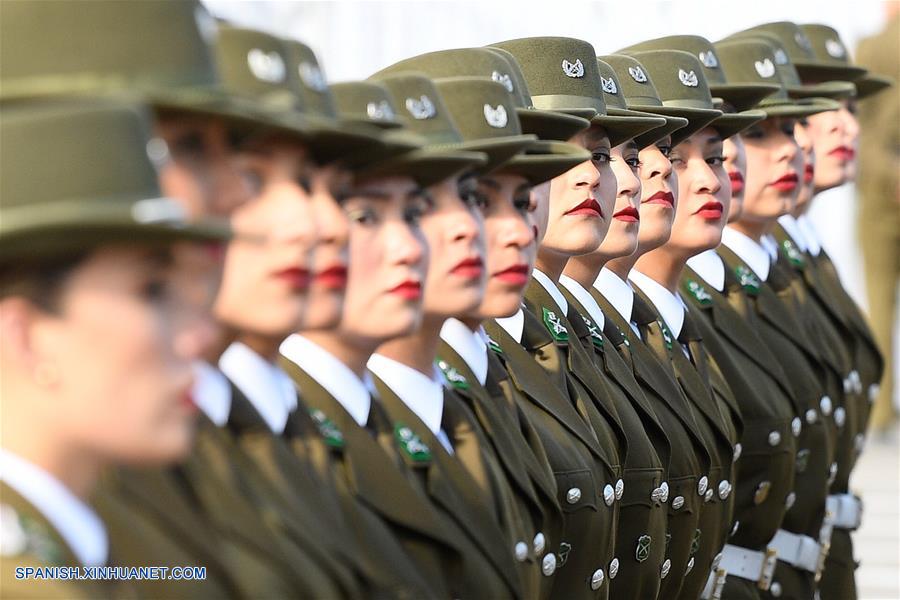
x: 488, y: 182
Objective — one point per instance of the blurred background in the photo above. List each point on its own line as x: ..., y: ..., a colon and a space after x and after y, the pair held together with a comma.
x: 354, y: 38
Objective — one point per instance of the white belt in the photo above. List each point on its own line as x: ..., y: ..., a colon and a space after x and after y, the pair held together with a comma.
x: 800, y: 551
x: 714, y: 584
x: 750, y: 564
x: 846, y: 510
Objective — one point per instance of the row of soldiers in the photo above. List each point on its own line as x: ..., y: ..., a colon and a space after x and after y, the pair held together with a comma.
x: 505, y: 322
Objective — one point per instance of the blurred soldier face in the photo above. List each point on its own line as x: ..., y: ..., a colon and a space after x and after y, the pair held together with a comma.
x: 581, y: 200
x: 454, y: 230
x: 268, y: 267
x: 622, y: 237
x: 509, y: 233
x: 807, y: 151
x: 775, y: 167
x: 835, y: 138
x: 659, y: 195
x: 388, y: 260
x: 106, y: 368
x: 704, y: 193
x: 736, y: 167
x: 328, y: 186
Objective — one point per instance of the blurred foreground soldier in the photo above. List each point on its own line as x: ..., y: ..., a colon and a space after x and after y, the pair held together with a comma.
x: 878, y: 184
x: 96, y: 344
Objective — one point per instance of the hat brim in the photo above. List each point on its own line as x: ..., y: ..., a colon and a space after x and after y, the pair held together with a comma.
x: 697, y: 118
x: 799, y: 108
x: 870, y: 84
x: 544, y: 160
x: 622, y: 124
x: 327, y: 141
x: 743, y: 96
x: 551, y: 124
x: 394, y: 143
x: 730, y: 124
x: 672, y: 125
x: 71, y: 225
x: 426, y: 166
x: 825, y: 89
x: 498, y: 150
x: 815, y: 72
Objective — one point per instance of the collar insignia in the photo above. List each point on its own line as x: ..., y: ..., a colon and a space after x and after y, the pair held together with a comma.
x: 328, y: 430
x: 699, y: 292
x: 555, y: 326
x: 411, y: 444
x: 749, y: 281
x: 454, y: 377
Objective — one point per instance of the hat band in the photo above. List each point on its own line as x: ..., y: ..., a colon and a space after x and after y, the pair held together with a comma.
x: 689, y: 103
x: 634, y: 102
x: 568, y: 102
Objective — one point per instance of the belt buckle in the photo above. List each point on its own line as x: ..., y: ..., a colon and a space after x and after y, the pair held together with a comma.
x: 820, y: 561
x: 768, y: 569
x: 718, y: 584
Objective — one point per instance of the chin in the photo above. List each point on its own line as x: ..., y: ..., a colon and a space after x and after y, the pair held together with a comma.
x: 652, y: 241
x: 501, y: 305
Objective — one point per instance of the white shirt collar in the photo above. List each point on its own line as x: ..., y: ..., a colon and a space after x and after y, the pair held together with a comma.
x: 813, y: 241
x: 422, y: 394
x: 585, y: 299
x: 470, y: 345
x: 266, y: 386
x: 670, y: 306
x: 513, y: 325
x: 617, y: 291
x: 75, y: 521
x: 749, y: 251
x: 792, y: 227
x: 553, y: 290
x: 338, y: 380
x: 770, y: 245
x: 709, y: 266
x: 211, y: 392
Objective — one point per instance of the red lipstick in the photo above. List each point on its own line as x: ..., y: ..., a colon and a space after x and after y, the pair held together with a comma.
x: 408, y: 290
x: 334, y: 277
x: 514, y: 275
x: 786, y: 183
x: 809, y: 171
x: 661, y: 197
x: 470, y: 268
x: 589, y: 208
x: 711, y: 211
x: 629, y: 214
x: 295, y: 277
x: 737, y: 182
x: 843, y: 153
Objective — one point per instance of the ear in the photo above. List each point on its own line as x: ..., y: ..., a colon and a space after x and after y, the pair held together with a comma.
x: 18, y: 317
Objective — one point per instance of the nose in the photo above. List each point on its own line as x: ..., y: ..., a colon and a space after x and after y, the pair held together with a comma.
x: 407, y: 246
x: 654, y: 163
x: 465, y: 226
x: 515, y: 229
x: 588, y: 176
x: 331, y: 222
x: 706, y: 181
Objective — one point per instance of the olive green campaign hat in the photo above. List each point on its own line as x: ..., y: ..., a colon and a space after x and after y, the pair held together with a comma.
x: 160, y: 53
x: 405, y: 152
x: 637, y: 86
x: 741, y: 95
x: 753, y: 59
x: 429, y: 116
x: 790, y: 79
x: 813, y: 62
x: 502, y: 68
x: 832, y: 58
x: 562, y: 75
x: 56, y: 196
x: 283, y: 79
x: 614, y: 95
x: 484, y: 110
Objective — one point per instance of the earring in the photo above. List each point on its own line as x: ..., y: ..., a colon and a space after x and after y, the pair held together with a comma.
x: 46, y: 375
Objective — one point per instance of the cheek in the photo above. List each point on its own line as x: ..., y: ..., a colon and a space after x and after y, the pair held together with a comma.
x: 179, y: 183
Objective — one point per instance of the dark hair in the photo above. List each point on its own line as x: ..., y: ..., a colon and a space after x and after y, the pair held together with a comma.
x: 39, y: 281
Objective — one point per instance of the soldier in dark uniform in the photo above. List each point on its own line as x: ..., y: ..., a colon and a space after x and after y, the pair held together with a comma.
x: 97, y: 343
x: 697, y: 217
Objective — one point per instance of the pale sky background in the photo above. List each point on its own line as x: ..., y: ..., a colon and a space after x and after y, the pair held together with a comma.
x: 355, y: 38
